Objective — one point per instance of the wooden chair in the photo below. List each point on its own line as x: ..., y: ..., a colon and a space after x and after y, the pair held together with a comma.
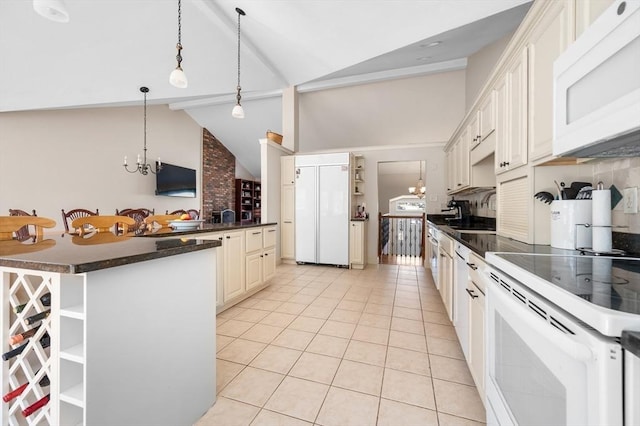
x: 161, y: 219
x: 9, y: 225
x: 103, y: 224
x: 139, y: 215
x: 71, y: 215
x: 22, y: 233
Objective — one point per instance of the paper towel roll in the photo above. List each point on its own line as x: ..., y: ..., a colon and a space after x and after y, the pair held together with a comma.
x: 601, y: 207
x: 601, y: 237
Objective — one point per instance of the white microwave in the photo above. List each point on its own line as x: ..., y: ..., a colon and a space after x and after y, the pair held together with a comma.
x: 597, y: 88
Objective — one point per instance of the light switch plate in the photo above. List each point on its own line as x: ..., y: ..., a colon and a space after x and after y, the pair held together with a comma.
x: 630, y: 200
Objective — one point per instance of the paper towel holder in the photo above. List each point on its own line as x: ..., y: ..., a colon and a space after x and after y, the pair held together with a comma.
x: 589, y: 250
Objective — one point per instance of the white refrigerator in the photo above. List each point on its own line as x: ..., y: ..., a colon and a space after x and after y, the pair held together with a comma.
x: 322, y: 209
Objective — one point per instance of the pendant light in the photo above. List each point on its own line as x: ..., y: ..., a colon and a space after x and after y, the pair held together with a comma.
x: 238, y: 112
x: 53, y: 10
x: 141, y: 163
x: 178, y: 77
x: 419, y: 189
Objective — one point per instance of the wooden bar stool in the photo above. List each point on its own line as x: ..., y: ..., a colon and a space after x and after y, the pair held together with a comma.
x: 69, y: 216
x: 161, y: 219
x: 9, y: 225
x: 103, y: 224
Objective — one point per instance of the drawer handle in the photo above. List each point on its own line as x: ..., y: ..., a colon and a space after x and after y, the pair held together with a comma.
x: 473, y: 296
x: 256, y: 233
x: 287, y: 221
x: 220, y: 238
x: 228, y: 237
x: 266, y: 254
x: 472, y: 266
x: 271, y: 230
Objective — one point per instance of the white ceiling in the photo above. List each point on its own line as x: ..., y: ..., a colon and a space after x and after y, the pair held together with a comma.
x: 112, y: 47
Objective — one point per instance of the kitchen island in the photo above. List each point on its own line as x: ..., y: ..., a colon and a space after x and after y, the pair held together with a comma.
x: 130, y: 338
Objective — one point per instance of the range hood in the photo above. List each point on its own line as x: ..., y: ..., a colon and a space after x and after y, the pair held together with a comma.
x: 626, y: 145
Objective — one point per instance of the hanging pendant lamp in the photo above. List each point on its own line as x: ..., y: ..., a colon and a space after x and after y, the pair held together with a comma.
x: 419, y: 189
x: 53, y: 10
x: 238, y: 111
x: 141, y: 163
x: 178, y: 77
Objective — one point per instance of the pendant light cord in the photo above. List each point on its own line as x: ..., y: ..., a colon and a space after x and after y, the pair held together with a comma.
x: 240, y: 12
x: 179, y: 46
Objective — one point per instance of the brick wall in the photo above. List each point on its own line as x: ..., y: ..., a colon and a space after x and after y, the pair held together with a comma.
x: 218, y: 175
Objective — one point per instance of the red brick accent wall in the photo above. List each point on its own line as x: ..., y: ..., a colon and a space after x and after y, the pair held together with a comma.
x: 218, y: 175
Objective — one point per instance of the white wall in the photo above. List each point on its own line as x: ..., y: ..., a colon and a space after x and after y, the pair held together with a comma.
x: 415, y: 110
x: 480, y: 65
x: 65, y: 159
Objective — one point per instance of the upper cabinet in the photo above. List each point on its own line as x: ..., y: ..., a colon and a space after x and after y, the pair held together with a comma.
x: 487, y: 117
x: 547, y: 41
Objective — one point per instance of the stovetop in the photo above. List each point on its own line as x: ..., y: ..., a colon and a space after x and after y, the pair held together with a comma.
x: 602, y: 291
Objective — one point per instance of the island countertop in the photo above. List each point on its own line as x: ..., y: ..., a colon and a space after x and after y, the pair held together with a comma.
x: 202, y: 229
x: 73, y: 254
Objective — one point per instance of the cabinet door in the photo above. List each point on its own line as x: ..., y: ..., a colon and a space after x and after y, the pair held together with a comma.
x: 474, y: 130
x: 502, y: 126
x: 462, y: 154
x: 517, y: 111
x: 269, y: 237
x: 487, y: 119
x: 445, y: 279
x: 451, y: 170
x: 549, y: 39
x: 253, y: 240
x: 268, y: 264
x: 476, y: 336
x: 234, y: 277
x: 254, y: 270
x: 288, y: 170
x: 355, y: 238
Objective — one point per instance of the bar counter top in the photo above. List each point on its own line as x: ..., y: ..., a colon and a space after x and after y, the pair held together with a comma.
x: 203, y: 229
x: 73, y: 254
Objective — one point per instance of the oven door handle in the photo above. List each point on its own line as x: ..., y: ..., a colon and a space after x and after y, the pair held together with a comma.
x: 575, y: 350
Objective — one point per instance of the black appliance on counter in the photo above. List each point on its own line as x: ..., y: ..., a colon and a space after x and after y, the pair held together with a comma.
x: 223, y: 216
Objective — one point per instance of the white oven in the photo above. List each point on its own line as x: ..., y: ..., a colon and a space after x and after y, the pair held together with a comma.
x: 544, y: 366
x: 597, y: 87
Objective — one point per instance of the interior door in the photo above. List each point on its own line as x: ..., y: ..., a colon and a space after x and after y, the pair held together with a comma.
x: 306, y: 211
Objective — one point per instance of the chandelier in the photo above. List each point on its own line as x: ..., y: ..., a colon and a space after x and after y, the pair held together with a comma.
x: 419, y: 189
x: 141, y: 164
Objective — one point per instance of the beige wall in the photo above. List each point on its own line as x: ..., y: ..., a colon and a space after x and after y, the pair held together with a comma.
x: 65, y: 159
x: 416, y: 110
x: 480, y: 65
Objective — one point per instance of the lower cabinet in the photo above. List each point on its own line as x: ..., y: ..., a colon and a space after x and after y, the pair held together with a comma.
x: 358, y: 244
x: 233, y: 275
x: 476, y: 289
x: 445, y: 273
x: 260, y: 260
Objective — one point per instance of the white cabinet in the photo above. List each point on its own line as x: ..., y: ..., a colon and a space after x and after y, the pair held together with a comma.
x: 253, y: 264
x: 358, y: 244
x: 260, y: 261
x: 287, y: 208
x: 234, y: 258
x: 476, y: 291
x: 547, y: 41
x: 473, y: 130
x: 458, y: 164
x: 487, y: 117
x: 514, y: 208
x: 268, y: 264
x: 445, y: 273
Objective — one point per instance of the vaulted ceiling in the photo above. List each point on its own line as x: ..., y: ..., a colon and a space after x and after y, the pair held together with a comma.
x: 112, y: 47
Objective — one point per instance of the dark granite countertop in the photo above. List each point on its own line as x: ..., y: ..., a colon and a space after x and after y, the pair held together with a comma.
x: 73, y: 254
x: 202, y: 229
x: 631, y: 342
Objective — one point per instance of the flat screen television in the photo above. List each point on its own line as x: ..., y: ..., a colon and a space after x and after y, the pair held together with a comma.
x: 176, y: 181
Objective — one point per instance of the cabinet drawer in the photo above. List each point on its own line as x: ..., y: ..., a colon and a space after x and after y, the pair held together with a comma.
x: 475, y: 275
x: 253, y: 239
x: 269, y: 237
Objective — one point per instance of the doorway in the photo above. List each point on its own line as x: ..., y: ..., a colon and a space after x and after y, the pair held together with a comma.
x: 401, y: 217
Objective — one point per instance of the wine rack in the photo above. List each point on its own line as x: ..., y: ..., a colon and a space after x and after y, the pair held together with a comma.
x: 34, y: 362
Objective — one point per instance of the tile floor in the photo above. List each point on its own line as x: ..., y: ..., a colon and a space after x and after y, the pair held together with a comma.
x: 329, y: 346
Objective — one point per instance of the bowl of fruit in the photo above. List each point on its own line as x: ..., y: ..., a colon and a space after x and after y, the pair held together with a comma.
x: 185, y: 222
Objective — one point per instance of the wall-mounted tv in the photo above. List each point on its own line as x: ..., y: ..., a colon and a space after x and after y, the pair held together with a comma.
x: 176, y: 181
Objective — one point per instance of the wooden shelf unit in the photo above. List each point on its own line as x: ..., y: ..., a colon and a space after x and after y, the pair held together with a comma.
x: 248, y: 201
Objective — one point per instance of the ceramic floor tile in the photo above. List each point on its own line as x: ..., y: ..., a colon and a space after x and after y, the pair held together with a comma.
x: 393, y: 413
x: 453, y: 370
x: 381, y: 300
x: 328, y: 345
x: 266, y: 305
x: 325, y: 302
x: 278, y: 319
x: 262, y: 333
x: 337, y: 329
x: 409, y: 388
x: 440, y: 331
x: 291, y: 308
x: 298, y: 398
x: 444, y: 347
x: 276, y: 359
x: 253, y: 386
x: 293, y: 339
x: 231, y: 312
x: 359, y: 377
x: 459, y: 400
x: 347, y: 408
x: 233, y: 328
x: 247, y: 303
x: 310, y: 291
x: 314, y: 367
x: 411, y: 295
x: 407, y: 325
x: 433, y: 305
x: 305, y: 299
x: 369, y: 353
x: 449, y: 420
x: 414, y: 342
x: 317, y: 312
x: 311, y: 325
x: 412, y: 303
x: 350, y: 305
x: 407, y: 313
x: 229, y: 413
x: 436, y: 318
x: 270, y: 418
x: 222, y: 341
x: 252, y: 315
x: 343, y: 315
x: 406, y: 360
x: 365, y: 333
x: 225, y: 372
x: 278, y: 296
x: 241, y: 351
x: 373, y: 308
x: 373, y: 320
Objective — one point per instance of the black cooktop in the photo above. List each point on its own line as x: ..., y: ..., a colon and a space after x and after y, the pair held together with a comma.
x: 610, y: 282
